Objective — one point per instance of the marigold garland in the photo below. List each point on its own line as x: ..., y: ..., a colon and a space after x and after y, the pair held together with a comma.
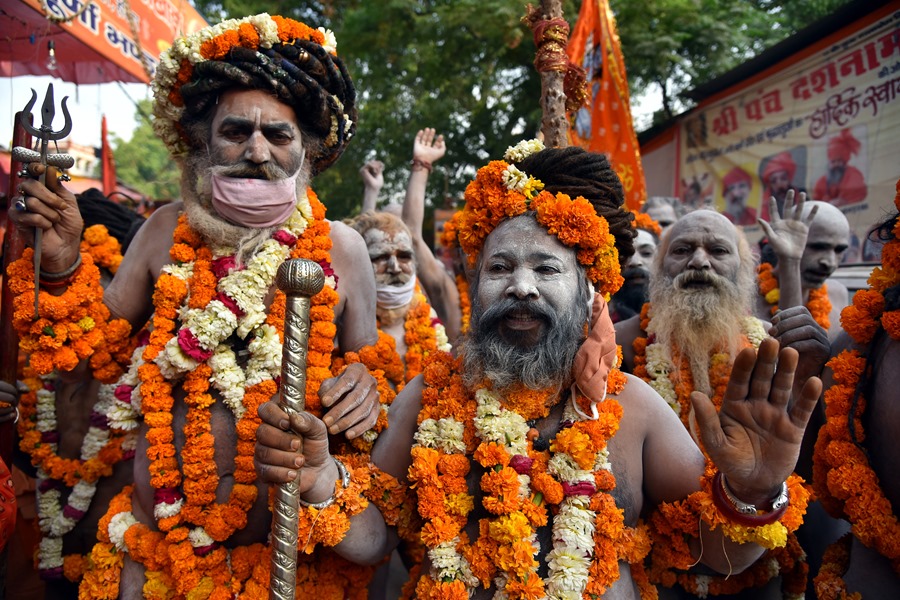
x: 656, y: 365
x: 844, y: 480
x: 103, y: 248
x: 500, y: 191
x: 674, y: 524
x: 77, y: 478
x: 520, y: 485
x: 72, y: 326
x: 829, y: 583
x: 819, y: 304
x: 465, y: 301
x: 647, y: 223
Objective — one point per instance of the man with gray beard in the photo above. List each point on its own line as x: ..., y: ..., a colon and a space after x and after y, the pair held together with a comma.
x: 698, y: 320
x: 502, y: 350
x: 250, y: 109
x: 533, y: 458
x: 702, y: 283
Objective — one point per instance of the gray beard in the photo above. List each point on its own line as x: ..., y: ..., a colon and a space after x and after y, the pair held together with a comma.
x: 546, y: 364
x: 196, y: 191
x: 698, y: 321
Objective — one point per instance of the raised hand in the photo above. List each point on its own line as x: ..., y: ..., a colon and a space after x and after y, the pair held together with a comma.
x: 795, y: 328
x: 754, y: 438
x: 54, y: 210
x: 372, y: 174
x: 9, y: 399
x: 427, y: 147
x: 788, y: 234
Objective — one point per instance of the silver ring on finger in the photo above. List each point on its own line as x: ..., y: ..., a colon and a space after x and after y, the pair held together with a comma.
x: 20, y: 204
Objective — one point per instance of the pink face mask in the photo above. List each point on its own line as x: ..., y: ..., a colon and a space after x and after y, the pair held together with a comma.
x: 257, y: 203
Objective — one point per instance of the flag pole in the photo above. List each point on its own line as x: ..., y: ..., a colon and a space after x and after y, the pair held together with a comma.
x: 551, y: 33
x: 13, y: 246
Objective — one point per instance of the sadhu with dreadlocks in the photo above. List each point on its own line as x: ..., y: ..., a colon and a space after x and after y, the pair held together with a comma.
x: 251, y: 109
x: 533, y: 457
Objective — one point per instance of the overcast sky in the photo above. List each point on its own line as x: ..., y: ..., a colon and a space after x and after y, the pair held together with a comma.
x: 86, y: 104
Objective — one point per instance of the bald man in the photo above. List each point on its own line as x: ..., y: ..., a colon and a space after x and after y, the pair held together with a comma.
x: 663, y: 209
x: 808, y: 242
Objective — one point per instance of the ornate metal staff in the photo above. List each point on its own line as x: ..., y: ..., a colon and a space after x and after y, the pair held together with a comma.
x: 45, y: 134
x: 300, y: 280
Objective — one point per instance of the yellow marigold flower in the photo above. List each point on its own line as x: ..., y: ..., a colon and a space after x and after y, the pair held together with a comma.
x: 459, y: 504
x: 510, y: 528
x: 86, y: 324
x: 773, y: 296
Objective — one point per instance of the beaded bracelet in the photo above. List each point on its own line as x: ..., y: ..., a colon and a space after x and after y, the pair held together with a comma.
x: 742, y: 513
x: 345, y: 481
x: 420, y: 164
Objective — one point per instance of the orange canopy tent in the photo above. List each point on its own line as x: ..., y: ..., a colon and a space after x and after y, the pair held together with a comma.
x: 97, y: 45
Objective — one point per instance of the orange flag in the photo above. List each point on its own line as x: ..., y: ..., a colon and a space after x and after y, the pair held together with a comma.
x: 108, y: 164
x: 604, y: 124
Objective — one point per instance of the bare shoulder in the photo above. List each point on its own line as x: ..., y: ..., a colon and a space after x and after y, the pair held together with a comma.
x: 355, y: 312
x: 640, y: 402
x: 838, y: 293
x: 347, y: 243
x: 626, y: 332
x: 128, y: 295
x: 349, y: 256
x: 671, y: 462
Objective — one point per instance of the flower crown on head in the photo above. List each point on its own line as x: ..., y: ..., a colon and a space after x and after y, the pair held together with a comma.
x: 646, y: 222
x: 501, y: 191
x: 176, y: 65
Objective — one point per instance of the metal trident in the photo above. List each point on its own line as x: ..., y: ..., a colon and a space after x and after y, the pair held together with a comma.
x: 46, y: 134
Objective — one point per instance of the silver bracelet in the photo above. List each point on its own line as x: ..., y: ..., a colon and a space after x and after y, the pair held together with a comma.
x: 345, y: 481
x: 780, y: 501
x: 44, y: 275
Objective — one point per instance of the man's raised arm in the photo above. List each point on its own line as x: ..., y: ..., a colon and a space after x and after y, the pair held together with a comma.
x: 439, y: 284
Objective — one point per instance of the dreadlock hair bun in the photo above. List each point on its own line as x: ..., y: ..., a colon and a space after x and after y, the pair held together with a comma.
x: 303, y: 76
x: 576, y: 172
x: 97, y: 209
x: 297, y: 64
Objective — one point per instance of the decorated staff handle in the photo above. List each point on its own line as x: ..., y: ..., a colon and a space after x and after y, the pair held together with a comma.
x: 300, y: 280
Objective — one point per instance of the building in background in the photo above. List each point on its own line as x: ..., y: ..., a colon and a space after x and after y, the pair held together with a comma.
x: 838, y: 79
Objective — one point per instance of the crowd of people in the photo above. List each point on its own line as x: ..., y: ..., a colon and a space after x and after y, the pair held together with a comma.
x: 596, y: 403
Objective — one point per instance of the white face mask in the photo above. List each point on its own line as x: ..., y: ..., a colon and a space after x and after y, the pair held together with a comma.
x: 257, y: 203
x: 390, y: 297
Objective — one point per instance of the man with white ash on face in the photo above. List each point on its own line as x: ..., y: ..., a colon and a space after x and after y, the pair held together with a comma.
x: 533, y: 457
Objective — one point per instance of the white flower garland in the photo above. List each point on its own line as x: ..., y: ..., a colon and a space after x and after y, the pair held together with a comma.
x: 215, y: 323
x: 212, y: 325
x: 523, y: 150
x: 52, y: 520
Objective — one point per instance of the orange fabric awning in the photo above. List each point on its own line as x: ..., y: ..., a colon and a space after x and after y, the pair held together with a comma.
x: 96, y: 47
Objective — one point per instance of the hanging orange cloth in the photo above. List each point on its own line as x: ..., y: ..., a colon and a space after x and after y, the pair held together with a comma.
x: 604, y: 123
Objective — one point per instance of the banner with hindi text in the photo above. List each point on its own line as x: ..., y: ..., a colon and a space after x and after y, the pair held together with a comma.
x: 828, y: 123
